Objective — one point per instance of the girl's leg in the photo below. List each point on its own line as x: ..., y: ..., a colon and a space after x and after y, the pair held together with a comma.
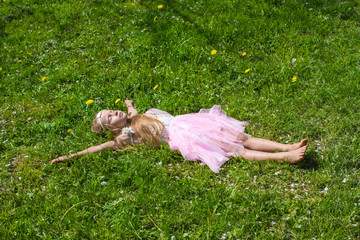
x: 265, y: 145
x: 290, y: 157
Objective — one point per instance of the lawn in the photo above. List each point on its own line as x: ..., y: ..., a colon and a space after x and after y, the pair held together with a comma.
x: 290, y: 68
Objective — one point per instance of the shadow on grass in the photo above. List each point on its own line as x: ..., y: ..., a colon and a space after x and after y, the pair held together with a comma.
x: 186, y: 16
x: 349, y: 164
x: 310, y: 161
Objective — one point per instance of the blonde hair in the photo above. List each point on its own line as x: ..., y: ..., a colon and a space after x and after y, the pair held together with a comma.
x: 96, y: 127
x: 148, y: 129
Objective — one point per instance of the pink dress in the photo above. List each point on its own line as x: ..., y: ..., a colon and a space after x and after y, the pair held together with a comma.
x: 208, y: 136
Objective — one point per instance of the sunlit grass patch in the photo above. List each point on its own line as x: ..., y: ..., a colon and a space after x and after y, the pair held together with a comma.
x: 288, y: 68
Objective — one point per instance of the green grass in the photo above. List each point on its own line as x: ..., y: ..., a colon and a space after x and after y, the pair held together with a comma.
x: 105, y: 50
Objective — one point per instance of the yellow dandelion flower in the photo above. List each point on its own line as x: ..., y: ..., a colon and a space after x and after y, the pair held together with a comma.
x: 32, y: 65
x: 144, y: 29
x: 0, y: 68
x: 19, y: 61
x: 213, y: 52
x: 160, y: 6
x: 155, y: 18
x: 29, y: 53
x: 156, y: 86
x: 75, y: 61
x: 244, y: 54
x: 294, y: 79
x: 117, y: 100
x: 247, y: 70
x: 69, y: 131
x: 43, y: 79
x: 121, y: 17
x: 90, y: 101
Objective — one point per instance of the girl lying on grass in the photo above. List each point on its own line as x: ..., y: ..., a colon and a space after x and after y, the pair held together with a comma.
x: 208, y: 136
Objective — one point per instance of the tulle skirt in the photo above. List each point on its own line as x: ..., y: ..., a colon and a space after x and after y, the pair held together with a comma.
x: 208, y: 136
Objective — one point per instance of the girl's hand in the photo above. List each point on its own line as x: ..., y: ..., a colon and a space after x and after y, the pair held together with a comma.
x: 60, y: 159
x: 129, y: 103
x: 131, y: 110
x: 123, y: 140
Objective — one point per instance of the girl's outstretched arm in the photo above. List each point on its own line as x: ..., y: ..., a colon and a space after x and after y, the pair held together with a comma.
x: 131, y: 110
x: 94, y: 149
x: 120, y: 141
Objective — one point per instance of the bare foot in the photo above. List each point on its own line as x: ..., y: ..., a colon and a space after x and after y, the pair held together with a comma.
x: 298, y: 145
x: 296, y: 155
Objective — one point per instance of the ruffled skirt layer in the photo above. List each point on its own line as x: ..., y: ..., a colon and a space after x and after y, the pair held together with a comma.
x: 208, y: 136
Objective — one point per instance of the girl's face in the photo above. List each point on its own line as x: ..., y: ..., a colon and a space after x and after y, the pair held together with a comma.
x: 113, y: 119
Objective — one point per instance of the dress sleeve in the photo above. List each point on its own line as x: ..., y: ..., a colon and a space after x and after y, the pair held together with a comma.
x: 157, y: 111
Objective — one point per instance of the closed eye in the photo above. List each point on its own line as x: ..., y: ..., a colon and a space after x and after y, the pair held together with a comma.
x: 109, y: 117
